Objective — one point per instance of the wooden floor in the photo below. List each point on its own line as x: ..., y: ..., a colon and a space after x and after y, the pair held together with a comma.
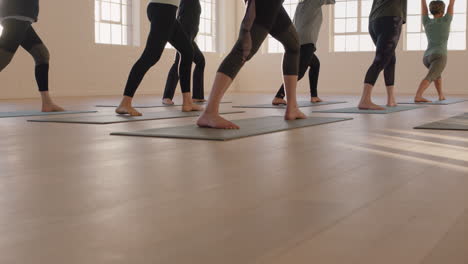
x: 371, y: 190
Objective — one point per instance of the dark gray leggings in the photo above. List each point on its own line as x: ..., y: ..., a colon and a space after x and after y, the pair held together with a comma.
x: 287, y: 35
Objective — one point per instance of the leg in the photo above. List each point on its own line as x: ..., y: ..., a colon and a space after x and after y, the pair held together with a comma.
x: 438, y: 85
x: 314, y: 73
x: 172, y: 81
x: 183, y: 44
x: 162, y: 19
x: 225, y: 76
x: 306, y: 53
x: 36, y: 48
x: 385, y: 33
x: 389, y: 75
x: 290, y: 41
x: 198, y: 74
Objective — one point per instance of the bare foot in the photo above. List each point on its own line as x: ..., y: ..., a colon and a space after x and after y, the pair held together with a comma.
x: 316, y: 100
x: 127, y: 110
x: 293, y: 114
x: 191, y: 108
x: 279, y: 101
x: 391, y: 102
x: 421, y: 100
x: 51, y: 107
x: 442, y: 98
x: 167, y: 101
x: 198, y: 100
x: 370, y: 106
x: 215, y: 121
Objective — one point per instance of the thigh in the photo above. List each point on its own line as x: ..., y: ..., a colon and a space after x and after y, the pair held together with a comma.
x: 31, y: 39
x: 267, y: 12
x: 180, y: 40
x: 14, y: 33
x: 282, y: 22
x: 162, y: 18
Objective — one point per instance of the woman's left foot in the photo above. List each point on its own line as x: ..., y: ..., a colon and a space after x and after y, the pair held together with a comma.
x: 316, y: 100
x: 51, y: 107
x: 167, y: 101
x: 192, y: 108
x: 279, y: 101
x: 198, y: 100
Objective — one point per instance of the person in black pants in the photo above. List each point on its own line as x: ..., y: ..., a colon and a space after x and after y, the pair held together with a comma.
x: 385, y: 25
x: 16, y: 17
x: 164, y: 28
x: 262, y: 17
x: 189, y: 17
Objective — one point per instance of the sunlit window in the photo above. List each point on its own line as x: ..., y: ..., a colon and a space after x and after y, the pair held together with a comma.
x: 416, y: 37
x: 206, y: 38
x: 351, y: 26
x: 113, y: 22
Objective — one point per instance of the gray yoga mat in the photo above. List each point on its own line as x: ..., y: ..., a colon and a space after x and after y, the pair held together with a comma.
x: 154, y: 105
x: 39, y: 113
x: 113, y: 119
x: 388, y: 110
x: 454, y: 123
x: 300, y: 104
x: 444, y: 102
x: 249, y: 127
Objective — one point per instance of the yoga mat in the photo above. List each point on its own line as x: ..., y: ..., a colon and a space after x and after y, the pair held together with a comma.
x: 154, y: 105
x: 113, y: 119
x: 444, y: 102
x: 249, y: 127
x: 355, y: 110
x: 39, y: 113
x: 300, y: 104
x: 454, y: 123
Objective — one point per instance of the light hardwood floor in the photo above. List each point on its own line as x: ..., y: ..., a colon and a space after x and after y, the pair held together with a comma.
x: 367, y: 191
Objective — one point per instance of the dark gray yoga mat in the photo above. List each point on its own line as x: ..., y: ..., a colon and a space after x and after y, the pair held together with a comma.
x: 39, y: 113
x: 444, y: 102
x: 113, y: 119
x: 249, y: 127
x: 388, y: 110
x: 153, y: 105
x: 454, y: 123
x: 300, y: 104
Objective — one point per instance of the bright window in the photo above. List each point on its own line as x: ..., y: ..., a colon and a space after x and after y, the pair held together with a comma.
x: 275, y: 46
x: 113, y: 22
x: 350, y: 25
x: 1, y: 30
x: 415, y: 36
x: 206, y: 38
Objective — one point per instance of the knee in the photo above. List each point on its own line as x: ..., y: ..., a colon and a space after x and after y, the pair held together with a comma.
x: 40, y: 54
x: 201, y: 62
x: 187, y: 55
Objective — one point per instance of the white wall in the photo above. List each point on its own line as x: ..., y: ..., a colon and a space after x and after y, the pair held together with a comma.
x: 344, y: 72
x: 81, y: 68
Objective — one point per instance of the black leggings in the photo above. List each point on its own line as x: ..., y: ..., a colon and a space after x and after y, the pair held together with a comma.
x: 18, y: 33
x: 307, y: 60
x: 385, y: 33
x: 281, y: 28
x: 164, y: 28
x: 198, y: 72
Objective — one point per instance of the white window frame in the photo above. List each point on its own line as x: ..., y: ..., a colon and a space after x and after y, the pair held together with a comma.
x: 415, y: 32
x: 127, y: 22
x: 353, y: 39
x: 207, y: 36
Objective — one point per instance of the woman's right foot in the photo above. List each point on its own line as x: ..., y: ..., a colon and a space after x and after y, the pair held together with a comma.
x: 215, y: 121
x: 127, y: 110
x: 167, y: 101
x: 51, y: 107
x: 279, y: 101
x: 442, y: 98
x: 315, y: 100
x: 421, y: 100
x: 293, y: 114
x: 192, y: 108
x: 370, y: 106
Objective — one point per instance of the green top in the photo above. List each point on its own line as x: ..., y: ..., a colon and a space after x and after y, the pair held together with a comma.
x: 386, y: 8
x: 437, y: 32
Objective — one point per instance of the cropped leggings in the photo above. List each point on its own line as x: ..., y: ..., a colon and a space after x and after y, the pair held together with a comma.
x: 308, y: 59
x: 198, y: 72
x: 436, y: 65
x: 281, y: 29
x: 18, y: 33
x: 385, y: 33
x: 164, y: 28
